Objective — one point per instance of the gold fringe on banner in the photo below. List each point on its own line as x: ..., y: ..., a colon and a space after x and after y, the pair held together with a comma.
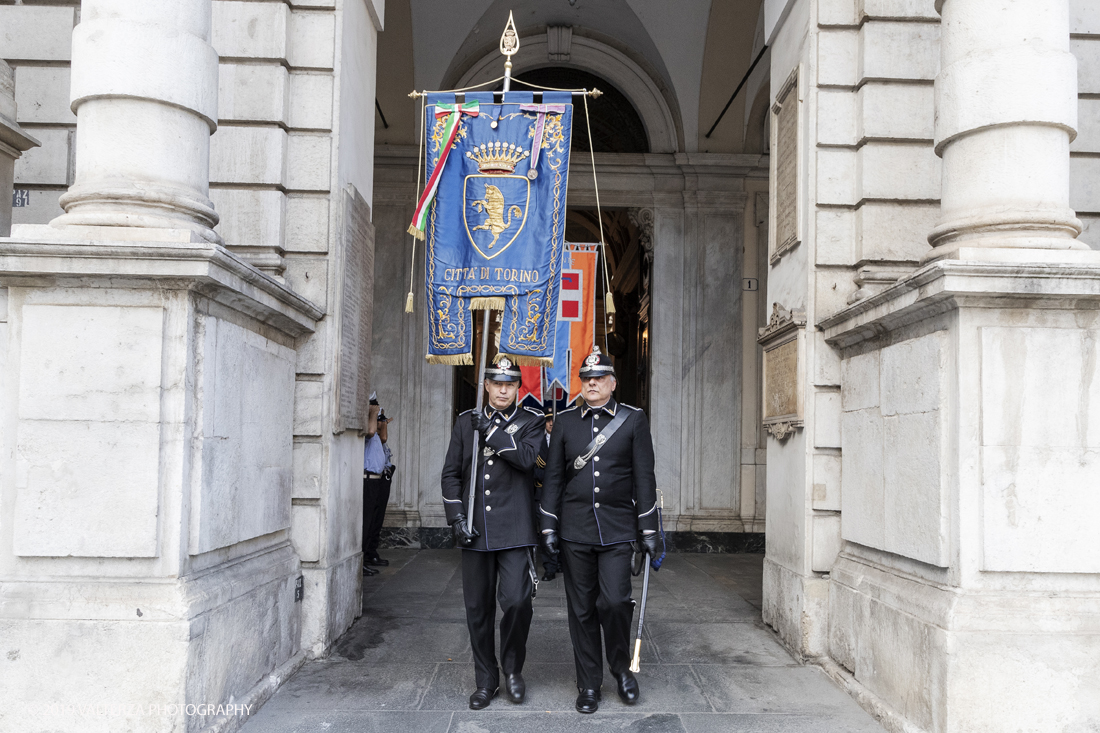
x: 450, y: 359
x: 493, y: 304
x: 523, y: 360
x: 415, y: 232
x: 409, y: 303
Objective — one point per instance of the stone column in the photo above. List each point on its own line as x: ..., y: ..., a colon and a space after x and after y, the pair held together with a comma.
x: 144, y: 90
x: 1006, y: 112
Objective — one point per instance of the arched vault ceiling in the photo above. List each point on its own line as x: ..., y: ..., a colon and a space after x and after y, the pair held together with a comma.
x: 669, y: 36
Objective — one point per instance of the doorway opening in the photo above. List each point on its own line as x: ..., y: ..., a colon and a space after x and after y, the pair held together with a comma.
x: 616, y: 128
x: 625, y: 334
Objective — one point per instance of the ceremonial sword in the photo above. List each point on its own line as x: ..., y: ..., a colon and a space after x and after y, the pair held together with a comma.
x: 636, y: 665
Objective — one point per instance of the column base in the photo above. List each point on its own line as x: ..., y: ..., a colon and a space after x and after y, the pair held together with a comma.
x: 1031, y: 230
x: 137, y: 206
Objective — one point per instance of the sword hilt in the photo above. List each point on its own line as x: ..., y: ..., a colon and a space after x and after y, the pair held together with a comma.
x: 636, y: 664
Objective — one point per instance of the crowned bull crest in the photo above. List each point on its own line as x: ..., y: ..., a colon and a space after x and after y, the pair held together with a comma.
x: 496, y: 202
x: 495, y: 211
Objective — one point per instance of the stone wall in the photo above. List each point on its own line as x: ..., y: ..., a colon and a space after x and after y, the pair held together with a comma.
x: 1084, y: 162
x: 36, y: 39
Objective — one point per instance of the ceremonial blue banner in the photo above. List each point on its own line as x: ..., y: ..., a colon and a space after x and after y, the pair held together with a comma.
x: 496, y: 230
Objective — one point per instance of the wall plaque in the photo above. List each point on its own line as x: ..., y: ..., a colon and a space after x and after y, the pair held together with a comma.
x: 356, y: 315
x: 785, y: 168
x: 782, y: 340
x: 781, y: 395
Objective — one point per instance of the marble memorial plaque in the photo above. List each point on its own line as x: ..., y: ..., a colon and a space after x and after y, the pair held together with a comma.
x: 781, y: 381
x: 786, y: 153
x: 356, y: 313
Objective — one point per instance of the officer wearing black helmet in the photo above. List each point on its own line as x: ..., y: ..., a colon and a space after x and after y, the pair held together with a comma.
x: 497, y: 554
x: 599, y: 495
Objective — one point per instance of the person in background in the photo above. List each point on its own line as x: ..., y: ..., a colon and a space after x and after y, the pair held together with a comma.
x: 550, y: 565
x: 377, y: 477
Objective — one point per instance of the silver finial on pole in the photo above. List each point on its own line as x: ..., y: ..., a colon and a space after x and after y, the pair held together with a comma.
x: 509, y: 45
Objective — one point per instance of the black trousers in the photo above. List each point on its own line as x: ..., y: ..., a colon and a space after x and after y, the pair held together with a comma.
x: 376, y: 494
x: 489, y: 578
x: 597, y: 588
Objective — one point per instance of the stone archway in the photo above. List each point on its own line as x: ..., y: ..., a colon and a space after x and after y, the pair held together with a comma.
x: 659, y: 114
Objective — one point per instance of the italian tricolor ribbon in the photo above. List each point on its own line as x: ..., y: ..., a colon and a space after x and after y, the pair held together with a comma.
x: 453, y: 113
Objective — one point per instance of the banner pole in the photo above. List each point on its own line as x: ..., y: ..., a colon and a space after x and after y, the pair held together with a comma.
x: 509, y: 44
x: 480, y: 405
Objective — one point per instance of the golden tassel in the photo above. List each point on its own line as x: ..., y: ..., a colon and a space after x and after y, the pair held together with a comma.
x: 609, y: 303
x: 493, y: 304
x: 409, y: 303
x: 522, y: 360
x: 416, y: 232
x: 450, y: 359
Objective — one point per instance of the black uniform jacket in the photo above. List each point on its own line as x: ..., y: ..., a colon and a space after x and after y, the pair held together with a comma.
x: 504, y: 498
x: 540, y: 466
x: 615, y: 495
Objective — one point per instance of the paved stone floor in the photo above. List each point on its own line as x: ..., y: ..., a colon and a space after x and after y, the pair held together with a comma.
x: 708, y: 663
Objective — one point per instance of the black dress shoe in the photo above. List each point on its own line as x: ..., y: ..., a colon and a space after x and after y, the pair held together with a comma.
x: 482, y: 697
x: 628, y: 687
x: 515, y: 687
x: 549, y: 575
x: 368, y: 570
x: 588, y: 701
x: 379, y: 561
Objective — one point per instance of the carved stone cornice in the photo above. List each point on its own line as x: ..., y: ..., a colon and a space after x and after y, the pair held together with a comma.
x: 781, y: 430
x: 782, y: 322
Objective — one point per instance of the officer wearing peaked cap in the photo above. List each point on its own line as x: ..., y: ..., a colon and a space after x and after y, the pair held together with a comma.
x: 497, y: 560
x: 599, y: 495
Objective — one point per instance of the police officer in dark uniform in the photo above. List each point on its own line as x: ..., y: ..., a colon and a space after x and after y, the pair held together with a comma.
x: 599, y: 495
x: 497, y: 560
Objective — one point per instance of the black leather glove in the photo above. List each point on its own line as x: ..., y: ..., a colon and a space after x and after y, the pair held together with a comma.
x: 550, y: 542
x: 481, y: 423
x: 649, y: 544
x: 463, y: 537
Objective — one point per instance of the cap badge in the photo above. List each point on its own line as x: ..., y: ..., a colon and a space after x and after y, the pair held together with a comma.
x: 592, y: 359
x: 504, y: 364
